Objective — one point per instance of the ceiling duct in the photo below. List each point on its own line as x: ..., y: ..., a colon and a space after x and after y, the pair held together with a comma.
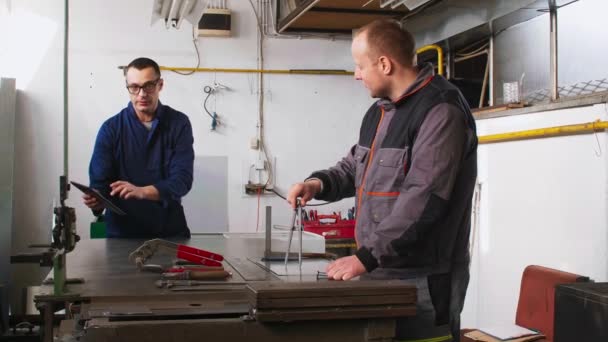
x: 478, y: 18
x: 409, y: 4
x: 173, y: 12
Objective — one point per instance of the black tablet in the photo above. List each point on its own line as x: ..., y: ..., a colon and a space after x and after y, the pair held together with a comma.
x: 95, y: 193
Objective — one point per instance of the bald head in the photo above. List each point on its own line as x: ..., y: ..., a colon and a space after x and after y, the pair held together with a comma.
x: 387, y: 38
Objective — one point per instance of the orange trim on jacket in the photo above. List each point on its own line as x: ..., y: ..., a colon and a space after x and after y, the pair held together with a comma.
x: 384, y: 194
x: 369, y: 160
x: 424, y: 84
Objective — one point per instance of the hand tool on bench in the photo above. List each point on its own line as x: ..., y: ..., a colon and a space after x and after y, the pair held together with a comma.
x: 177, y: 269
x: 297, y: 213
x: 197, y: 275
x: 194, y: 255
x: 173, y: 283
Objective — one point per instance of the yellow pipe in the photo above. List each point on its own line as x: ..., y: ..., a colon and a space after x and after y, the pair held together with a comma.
x: 547, y: 132
x: 264, y: 71
x: 302, y: 71
x: 439, y: 55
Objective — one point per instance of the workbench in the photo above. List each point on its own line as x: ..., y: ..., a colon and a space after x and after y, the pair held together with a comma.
x: 119, y: 303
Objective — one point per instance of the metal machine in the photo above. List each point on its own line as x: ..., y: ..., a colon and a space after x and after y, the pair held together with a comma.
x: 257, y: 298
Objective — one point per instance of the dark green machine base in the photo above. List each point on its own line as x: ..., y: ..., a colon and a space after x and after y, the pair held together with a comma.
x: 98, y: 230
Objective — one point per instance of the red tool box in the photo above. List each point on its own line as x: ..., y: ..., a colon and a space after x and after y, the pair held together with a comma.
x: 330, y: 226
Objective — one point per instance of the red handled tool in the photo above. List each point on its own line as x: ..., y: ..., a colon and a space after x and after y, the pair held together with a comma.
x: 194, y: 255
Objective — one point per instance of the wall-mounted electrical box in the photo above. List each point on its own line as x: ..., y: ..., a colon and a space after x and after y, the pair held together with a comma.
x: 215, y: 22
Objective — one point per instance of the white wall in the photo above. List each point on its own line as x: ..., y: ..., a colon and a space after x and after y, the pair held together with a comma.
x: 311, y: 120
x: 543, y: 203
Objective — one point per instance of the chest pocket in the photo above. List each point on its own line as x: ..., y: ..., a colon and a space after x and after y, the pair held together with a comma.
x: 390, y: 167
x: 361, y: 154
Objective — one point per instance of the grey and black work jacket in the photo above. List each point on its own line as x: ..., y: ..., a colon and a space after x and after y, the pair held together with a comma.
x: 413, y: 174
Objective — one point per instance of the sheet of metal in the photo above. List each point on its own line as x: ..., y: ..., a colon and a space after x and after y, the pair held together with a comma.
x: 8, y: 95
x: 279, y: 301
x: 303, y: 314
x: 452, y: 17
x: 249, y: 270
x: 105, y: 267
x: 466, y: 21
x: 133, y: 308
x: 309, y: 268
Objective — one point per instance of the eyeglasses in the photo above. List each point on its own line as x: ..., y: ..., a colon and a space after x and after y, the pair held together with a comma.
x: 148, y: 87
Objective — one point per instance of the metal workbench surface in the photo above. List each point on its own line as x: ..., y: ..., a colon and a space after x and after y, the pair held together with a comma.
x: 107, y: 271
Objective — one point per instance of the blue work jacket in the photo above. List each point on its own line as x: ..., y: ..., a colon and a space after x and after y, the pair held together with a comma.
x: 162, y: 156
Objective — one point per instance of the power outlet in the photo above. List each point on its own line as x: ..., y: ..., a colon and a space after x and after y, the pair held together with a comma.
x: 254, y: 189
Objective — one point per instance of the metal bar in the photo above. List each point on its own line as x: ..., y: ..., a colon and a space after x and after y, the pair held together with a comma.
x: 491, y: 70
x: 268, y: 244
x: 553, y: 53
x: 485, y: 83
x: 449, y: 62
x: 46, y: 313
x: 66, y: 36
x: 590, y: 127
x: 301, y: 229
x: 262, y: 71
x: 356, y: 11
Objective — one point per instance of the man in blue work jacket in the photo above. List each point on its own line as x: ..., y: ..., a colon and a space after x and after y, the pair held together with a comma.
x: 412, y: 172
x: 143, y: 160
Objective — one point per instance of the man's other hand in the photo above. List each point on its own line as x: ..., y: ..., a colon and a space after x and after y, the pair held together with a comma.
x: 92, y: 202
x: 345, y: 268
x: 126, y: 190
x: 305, y: 190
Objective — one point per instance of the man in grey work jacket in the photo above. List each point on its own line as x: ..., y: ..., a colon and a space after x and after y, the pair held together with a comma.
x: 413, y: 173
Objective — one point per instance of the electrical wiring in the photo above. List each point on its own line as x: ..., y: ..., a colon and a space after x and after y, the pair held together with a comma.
x: 198, y: 58
x: 208, y: 90
x: 479, y: 49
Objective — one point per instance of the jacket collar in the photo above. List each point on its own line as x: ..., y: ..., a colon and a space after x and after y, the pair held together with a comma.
x: 426, y: 72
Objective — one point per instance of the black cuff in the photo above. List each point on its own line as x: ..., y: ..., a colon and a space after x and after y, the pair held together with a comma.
x: 98, y: 212
x: 326, y: 184
x: 367, y: 259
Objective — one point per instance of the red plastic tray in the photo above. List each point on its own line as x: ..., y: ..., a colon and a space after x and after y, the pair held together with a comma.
x: 338, y: 229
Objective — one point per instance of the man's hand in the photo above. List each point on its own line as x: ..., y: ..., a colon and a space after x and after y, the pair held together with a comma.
x: 345, y: 268
x: 126, y: 190
x: 92, y: 202
x: 306, y: 190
